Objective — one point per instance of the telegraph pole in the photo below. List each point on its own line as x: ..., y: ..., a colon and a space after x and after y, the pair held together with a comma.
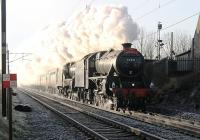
x: 159, y: 40
x: 171, y: 48
x: 3, y: 51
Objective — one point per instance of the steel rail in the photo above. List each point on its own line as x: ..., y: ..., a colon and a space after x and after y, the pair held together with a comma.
x: 136, y: 131
x: 185, y: 126
x: 71, y: 120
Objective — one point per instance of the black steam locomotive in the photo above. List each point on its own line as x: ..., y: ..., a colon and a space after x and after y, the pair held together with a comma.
x: 114, y: 76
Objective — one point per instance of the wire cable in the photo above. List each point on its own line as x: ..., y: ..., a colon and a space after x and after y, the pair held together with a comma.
x: 174, y: 24
x: 141, y: 5
x: 155, y: 9
x: 181, y: 21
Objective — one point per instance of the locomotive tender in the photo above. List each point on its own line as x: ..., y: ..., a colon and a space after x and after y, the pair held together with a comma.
x: 114, y: 75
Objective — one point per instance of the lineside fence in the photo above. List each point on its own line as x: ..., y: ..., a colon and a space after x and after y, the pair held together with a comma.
x: 188, y: 64
x: 179, y: 66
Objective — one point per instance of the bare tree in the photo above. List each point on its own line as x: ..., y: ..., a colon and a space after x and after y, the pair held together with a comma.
x: 149, y: 49
x: 181, y: 42
x: 146, y: 44
x: 142, y: 40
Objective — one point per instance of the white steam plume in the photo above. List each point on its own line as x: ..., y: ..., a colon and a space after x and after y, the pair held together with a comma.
x: 90, y: 30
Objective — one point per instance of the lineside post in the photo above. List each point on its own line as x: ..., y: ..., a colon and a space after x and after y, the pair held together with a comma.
x: 3, y: 51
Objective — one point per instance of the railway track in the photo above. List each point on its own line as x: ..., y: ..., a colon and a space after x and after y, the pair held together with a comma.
x: 185, y: 126
x: 150, y: 119
x: 98, y: 127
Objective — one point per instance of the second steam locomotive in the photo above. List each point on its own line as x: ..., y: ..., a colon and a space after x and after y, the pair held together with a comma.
x: 114, y: 76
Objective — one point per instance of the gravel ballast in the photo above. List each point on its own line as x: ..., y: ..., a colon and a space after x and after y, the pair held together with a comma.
x: 41, y: 123
x: 165, y: 132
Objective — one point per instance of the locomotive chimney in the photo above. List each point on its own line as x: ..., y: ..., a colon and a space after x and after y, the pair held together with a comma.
x: 126, y: 45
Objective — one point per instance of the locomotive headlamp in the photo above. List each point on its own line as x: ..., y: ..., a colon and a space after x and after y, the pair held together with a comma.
x: 133, y: 84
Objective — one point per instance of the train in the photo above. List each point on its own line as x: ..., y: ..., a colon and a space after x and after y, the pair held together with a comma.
x: 114, y: 76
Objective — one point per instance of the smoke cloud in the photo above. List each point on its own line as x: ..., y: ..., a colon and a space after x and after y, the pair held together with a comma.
x: 92, y: 29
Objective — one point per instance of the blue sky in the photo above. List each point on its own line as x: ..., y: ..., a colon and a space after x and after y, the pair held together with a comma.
x: 27, y: 17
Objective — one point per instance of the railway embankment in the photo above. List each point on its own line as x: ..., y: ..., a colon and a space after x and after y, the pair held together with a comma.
x: 179, y: 94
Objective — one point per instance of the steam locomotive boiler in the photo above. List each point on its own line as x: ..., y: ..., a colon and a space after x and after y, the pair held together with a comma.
x: 114, y: 76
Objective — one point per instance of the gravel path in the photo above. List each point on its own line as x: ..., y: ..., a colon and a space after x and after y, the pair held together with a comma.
x: 41, y: 124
